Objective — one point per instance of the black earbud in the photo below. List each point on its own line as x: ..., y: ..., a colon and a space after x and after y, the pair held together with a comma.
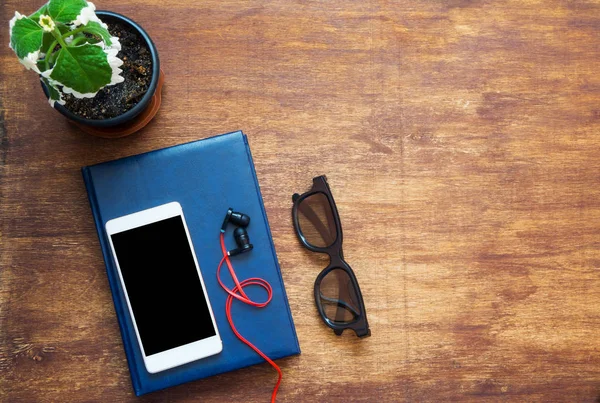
x: 242, y: 240
x: 239, y: 219
x: 236, y: 218
x: 239, y: 234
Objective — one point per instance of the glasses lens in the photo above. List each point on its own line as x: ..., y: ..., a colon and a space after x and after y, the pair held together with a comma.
x: 338, y: 297
x: 316, y: 221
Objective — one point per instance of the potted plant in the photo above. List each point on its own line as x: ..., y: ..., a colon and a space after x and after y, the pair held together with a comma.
x: 104, y: 75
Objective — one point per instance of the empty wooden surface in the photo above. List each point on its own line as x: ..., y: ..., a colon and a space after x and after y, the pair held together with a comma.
x: 461, y: 142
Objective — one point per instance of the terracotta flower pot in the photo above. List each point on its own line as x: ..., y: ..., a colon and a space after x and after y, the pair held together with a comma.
x: 138, y: 116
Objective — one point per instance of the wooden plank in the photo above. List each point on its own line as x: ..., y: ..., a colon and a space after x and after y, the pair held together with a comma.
x: 460, y: 141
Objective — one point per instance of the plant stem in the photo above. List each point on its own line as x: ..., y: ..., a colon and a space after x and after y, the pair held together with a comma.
x: 56, y: 33
x: 53, y: 57
x: 74, y: 32
x: 48, y: 54
x: 77, y: 40
x: 58, y: 40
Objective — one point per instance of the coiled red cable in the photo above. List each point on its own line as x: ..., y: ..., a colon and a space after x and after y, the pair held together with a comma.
x: 238, y: 293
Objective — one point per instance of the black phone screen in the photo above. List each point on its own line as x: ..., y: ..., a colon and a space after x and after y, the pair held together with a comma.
x: 163, y: 285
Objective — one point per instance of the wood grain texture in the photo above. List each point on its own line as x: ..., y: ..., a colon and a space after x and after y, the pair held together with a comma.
x: 461, y: 142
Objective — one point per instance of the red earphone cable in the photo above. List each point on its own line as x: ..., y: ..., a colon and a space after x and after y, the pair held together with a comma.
x: 239, y: 288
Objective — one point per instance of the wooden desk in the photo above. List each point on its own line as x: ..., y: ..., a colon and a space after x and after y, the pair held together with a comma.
x: 462, y: 145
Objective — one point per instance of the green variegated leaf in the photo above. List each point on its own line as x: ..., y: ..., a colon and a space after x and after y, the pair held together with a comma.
x: 54, y: 94
x: 25, y: 37
x: 84, y: 69
x: 43, y: 10
x: 65, y: 11
x: 95, y: 28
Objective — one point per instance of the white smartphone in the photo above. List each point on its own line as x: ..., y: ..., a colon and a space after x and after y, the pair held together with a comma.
x: 165, y: 293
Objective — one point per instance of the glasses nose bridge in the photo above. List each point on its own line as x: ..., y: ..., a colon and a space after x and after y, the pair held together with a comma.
x: 336, y: 255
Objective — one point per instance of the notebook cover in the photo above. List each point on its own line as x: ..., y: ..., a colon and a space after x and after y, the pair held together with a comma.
x: 205, y: 177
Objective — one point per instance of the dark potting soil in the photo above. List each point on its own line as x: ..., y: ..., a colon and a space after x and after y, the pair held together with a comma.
x: 115, y: 100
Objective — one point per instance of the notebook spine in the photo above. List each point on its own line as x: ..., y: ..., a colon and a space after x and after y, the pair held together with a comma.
x: 271, y: 244
x: 112, y: 280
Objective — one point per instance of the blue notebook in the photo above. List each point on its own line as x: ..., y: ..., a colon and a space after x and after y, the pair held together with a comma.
x: 205, y: 177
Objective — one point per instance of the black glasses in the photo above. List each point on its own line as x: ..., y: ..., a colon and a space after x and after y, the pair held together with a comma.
x: 337, y: 294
